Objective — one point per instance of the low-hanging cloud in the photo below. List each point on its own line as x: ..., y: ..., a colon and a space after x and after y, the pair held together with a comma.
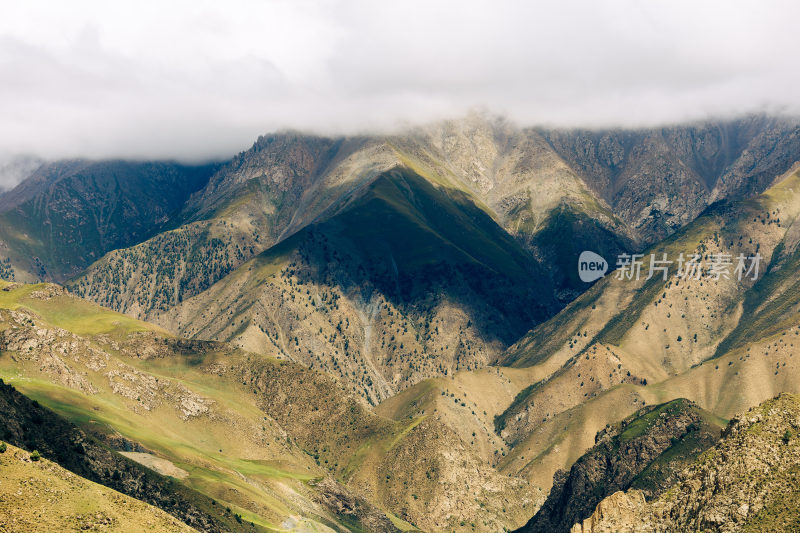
x: 198, y: 79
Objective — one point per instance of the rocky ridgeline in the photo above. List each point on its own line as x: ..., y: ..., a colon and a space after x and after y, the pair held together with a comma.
x: 747, y: 482
x: 630, y: 453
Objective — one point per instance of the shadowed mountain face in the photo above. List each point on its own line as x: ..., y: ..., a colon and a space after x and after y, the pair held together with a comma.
x: 69, y: 214
x: 407, y: 280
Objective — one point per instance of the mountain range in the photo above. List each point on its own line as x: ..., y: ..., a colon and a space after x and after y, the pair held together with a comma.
x: 382, y: 333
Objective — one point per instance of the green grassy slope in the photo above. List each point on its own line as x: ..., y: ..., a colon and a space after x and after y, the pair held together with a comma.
x: 42, y: 496
x: 138, y: 388
x: 29, y: 425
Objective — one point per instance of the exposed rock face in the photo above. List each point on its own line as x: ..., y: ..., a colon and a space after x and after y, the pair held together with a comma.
x: 659, y: 179
x: 615, y: 514
x: 747, y: 482
x: 343, y: 503
x: 645, y: 450
x: 60, y: 354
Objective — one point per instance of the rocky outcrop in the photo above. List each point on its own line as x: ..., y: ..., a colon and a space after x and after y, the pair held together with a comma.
x: 352, y: 508
x: 747, y: 482
x: 659, y: 179
x: 619, y: 512
x: 645, y: 450
x: 66, y: 358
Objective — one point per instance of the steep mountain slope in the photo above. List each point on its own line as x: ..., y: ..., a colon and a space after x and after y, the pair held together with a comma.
x: 30, y: 426
x: 657, y: 180
x: 530, y: 190
x: 263, y: 195
x: 747, y: 482
x: 608, y: 328
x: 282, y: 445
x: 626, y: 343
x: 646, y: 451
x: 68, y: 214
x: 40, y: 495
x: 408, y: 280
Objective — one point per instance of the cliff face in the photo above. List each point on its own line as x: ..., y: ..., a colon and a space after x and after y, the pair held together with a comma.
x: 646, y: 451
x: 747, y: 482
x: 659, y: 179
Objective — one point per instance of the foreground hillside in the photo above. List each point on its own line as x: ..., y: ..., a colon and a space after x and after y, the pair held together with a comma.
x: 29, y: 425
x: 279, y: 444
x: 41, y: 496
x: 747, y: 482
x: 647, y: 451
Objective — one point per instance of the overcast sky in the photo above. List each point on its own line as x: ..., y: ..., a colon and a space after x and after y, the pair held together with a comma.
x: 195, y: 79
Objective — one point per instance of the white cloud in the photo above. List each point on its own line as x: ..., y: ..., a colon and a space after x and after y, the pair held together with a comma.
x: 194, y: 79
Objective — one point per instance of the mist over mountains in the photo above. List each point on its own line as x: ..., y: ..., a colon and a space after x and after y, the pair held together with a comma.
x: 340, y: 266
x: 389, y: 332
